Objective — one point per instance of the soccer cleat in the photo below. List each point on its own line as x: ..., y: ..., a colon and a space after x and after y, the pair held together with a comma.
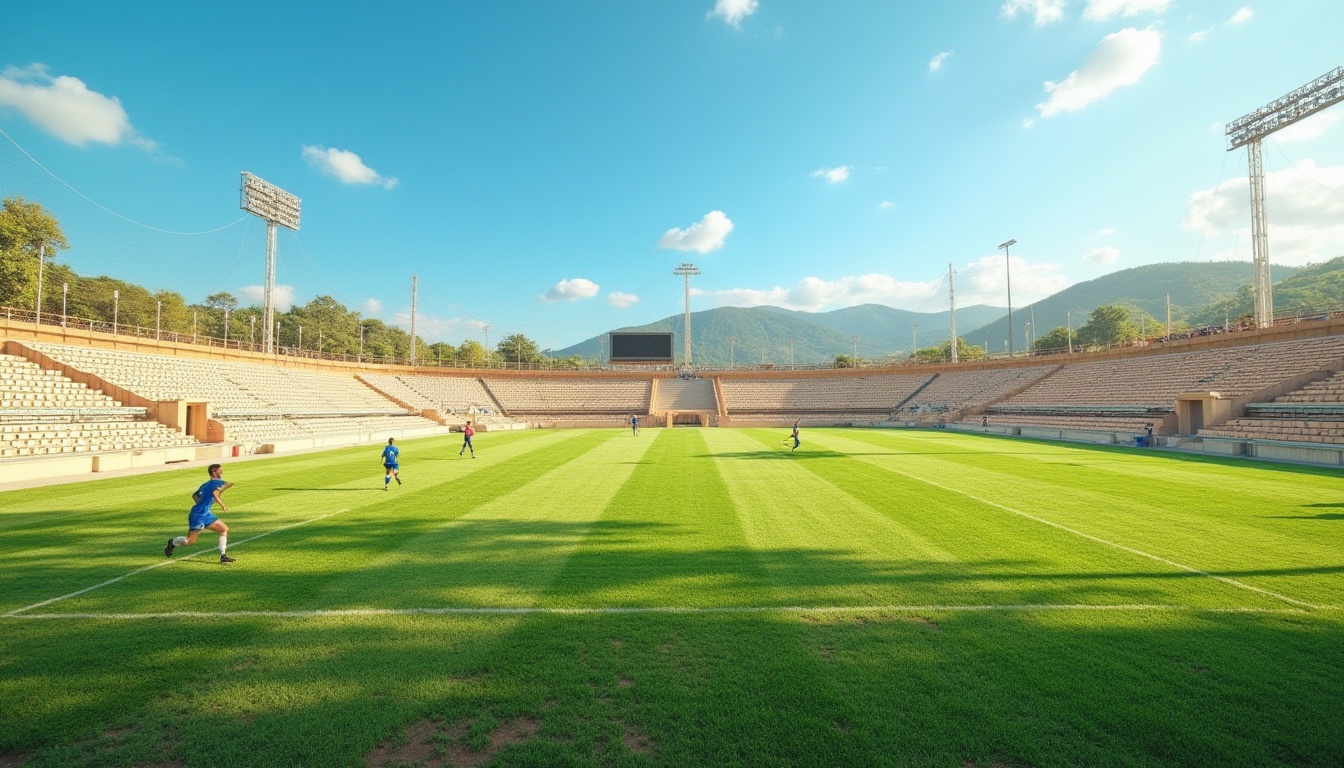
x: 168, y: 550
x: 384, y: 486
x: 398, y: 481
x: 225, y: 560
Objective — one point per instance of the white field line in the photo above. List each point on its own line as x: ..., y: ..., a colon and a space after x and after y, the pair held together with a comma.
x: 637, y: 610
x: 168, y: 561
x: 1122, y: 547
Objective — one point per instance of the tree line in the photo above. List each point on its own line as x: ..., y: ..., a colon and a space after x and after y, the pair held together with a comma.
x: 29, y: 234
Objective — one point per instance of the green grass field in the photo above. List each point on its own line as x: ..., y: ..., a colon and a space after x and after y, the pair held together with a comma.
x: 685, y: 597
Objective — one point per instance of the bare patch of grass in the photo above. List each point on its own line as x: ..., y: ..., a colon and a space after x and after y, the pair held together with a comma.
x: 418, y: 748
x: 635, y: 740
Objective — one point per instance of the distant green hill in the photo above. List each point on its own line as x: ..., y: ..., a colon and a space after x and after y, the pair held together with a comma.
x: 1193, y: 287
x: 1313, y: 287
x: 762, y: 333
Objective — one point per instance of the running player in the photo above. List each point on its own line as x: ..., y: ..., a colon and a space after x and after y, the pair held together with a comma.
x: 390, y: 465
x: 796, y: 441
x: 201, y: 517
x: 467, y: 432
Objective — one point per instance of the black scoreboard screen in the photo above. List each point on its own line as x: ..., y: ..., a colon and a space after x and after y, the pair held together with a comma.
x: 641, y: 347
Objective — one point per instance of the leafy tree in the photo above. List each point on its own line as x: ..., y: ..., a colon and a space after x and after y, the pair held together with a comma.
x: 518, y: 348
x: 1108, y: 324
x: 1055, y: 342
x: 943, y: 352
x: 472, y: 353
x: 846, y: 361
x: 24, y: 229
x: 443, y: 353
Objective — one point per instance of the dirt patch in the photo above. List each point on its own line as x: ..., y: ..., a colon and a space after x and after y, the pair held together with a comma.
x: 616, y: 642
x: 665, y: 647
x: 625, y: 682
x: 925, y: 621
x: 116, y: 733
x: 12, y: 761
x: 635, y: 740
x: 841, y: 726
x: 826, y: 651
x: 517, y: 731
x: 418, y: 748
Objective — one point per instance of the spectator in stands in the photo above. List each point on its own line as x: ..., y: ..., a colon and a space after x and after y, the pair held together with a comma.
x: 634, y: 424
x: 391, y: 465
x: 201, y: 517
x: 984, y: 420
x: 467, y: 432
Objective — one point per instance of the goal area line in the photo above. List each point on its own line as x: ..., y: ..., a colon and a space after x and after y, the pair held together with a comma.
x: 654, y: 610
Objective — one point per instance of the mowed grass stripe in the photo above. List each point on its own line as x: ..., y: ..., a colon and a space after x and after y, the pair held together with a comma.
x: 997, y: 558
x: 920, y: 471
x: 501, y: 549
x: 1234, y: 514
x: 1267, y: 525
x: 293, y: 566
x: 669, y: 537
x: 819, y: 544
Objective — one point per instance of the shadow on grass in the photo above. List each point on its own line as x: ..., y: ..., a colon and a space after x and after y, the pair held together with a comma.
x: 1322, y: 516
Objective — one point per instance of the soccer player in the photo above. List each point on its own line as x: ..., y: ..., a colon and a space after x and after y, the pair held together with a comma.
x: 796, y: 441
x: 201, y: 517
x: 390, y: 465
x: 634, y: 425
x: 467, y: 432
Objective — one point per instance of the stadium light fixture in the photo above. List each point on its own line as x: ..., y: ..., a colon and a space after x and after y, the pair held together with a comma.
x: 1008, y: 277
x: 686, y: 270
x: 276, y: 207
x: 1248, y: 130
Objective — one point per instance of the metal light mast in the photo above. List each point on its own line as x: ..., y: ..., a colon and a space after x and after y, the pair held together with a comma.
x: 952, y: 310
x: 1008, y: 278
x: 415, y: 290
x: 1248, y: 130
x: 276, y: 207
x: 686, y: 270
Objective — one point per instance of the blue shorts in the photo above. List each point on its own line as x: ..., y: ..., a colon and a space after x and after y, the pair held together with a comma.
x: 198, y: 521
x: 392, y: 467
x: 466, y: 440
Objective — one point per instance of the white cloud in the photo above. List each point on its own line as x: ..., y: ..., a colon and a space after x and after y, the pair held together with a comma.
x: 622, y: 300
x: 64, y: 107
x: 1306, y: 214
x: 703, y: 236
x: 936, y: 63
x: 982, y: 282
x: 886, y: 204
x: 833, y: 175
x: 1104, y: 232
x: 1042, y: 11
x: 1198, y: 37
x: 570, y: 290
x: 1102, y: 256
x: 1120, y: 59
x: 1101, y: 10
x: 1243, y: 14
x: 1308, y: 129
x: 283, y: 296
x: 345, y: 166
x: 428, y: 327
x: 373, y: 307
x: 1028, y: 123
x: 733, y: 11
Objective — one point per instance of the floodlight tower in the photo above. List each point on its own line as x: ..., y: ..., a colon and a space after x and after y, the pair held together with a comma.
x: 686, y: 270
x: 952, y: 309
x: 276, y: 207
x: 1248, y: 130
x: 1008, y: 278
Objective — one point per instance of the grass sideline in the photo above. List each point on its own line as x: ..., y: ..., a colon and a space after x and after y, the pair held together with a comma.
x: 684, y: 597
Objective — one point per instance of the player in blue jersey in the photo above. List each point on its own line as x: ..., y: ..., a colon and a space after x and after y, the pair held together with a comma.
x: 390, y: 465
x: 794, y: 436
x: 201, y: 517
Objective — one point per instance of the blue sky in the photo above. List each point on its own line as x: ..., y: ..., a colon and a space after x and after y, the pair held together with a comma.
x: 544, y: 166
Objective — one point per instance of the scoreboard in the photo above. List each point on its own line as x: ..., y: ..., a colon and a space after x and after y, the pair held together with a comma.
x: 641, y: 347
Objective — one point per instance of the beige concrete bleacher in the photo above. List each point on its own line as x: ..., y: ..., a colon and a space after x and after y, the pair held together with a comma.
x: 1312, y: 414
x: 454, y: 398
x: 570, y: 396
x: 251, y: 401
x: 862, y: 397
x: 44, y: 413
x: 956, y: 390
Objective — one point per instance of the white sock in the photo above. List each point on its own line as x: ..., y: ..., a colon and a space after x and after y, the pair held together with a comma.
x: 180, y: 541
x: 223, y: 543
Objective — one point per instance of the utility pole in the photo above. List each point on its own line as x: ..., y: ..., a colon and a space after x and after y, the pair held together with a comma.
x: 41, y: 263
x: 914, y: 338
x: 952, y: 310
x: 855, y: 339
x: 489, y: 360
x: 732, y: 344
x: 1168, y: 317
x: 1069, y: 315
x: 790, y: 353
x: 415, y: 289
x: 686, y: 270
